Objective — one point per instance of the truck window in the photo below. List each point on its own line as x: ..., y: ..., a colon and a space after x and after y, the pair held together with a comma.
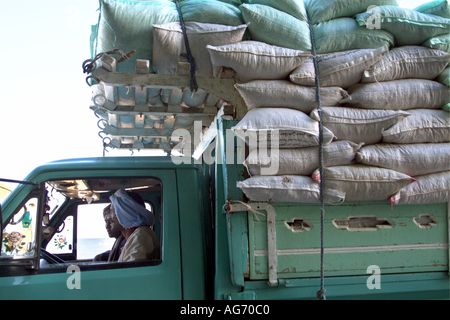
x: 62, y: 240
x: 78, y: 226
x: 92, y: 238
x: 19, y: 235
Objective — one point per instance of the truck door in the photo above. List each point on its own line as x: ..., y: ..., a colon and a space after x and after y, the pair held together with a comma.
x: 47, y: 249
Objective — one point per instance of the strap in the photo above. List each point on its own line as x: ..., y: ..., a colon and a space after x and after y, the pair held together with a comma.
x: 193, y: 82
x: 321, y: 292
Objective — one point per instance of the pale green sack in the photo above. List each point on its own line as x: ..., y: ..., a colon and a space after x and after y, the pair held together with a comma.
x: 209, y: 11
x: 324, y: 10
x: 439, y: 8
x: 345, y: 34
x: 409, y: 27
x: 275, y: 27
x: 129, y: 26
x: 441, y: 42
x: 295, y: 8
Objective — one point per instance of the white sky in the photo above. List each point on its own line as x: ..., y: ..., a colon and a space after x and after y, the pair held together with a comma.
x: 44, y: 98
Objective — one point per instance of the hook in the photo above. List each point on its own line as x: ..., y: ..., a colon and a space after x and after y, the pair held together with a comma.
x: 88, y: 65
x: 94, y: 78
x: 96, y: 111
x: 100, y: 95
x: 104, y: 122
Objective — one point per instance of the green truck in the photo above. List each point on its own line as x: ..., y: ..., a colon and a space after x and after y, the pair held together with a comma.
x: 218, y: 242
x: 214, y: 245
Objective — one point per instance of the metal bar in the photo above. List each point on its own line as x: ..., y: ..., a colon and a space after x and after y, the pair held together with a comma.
x: 272, y: 246
x: 271, y: 233
x: 399, y: 247
x: 19, y: 181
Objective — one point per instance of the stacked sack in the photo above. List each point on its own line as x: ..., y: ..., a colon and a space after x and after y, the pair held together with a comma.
x: 390, y: 118
x: 371, y: 86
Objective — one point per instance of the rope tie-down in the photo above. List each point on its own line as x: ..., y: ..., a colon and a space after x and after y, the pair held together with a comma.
x: 193, y: 83
x: 321, y: 292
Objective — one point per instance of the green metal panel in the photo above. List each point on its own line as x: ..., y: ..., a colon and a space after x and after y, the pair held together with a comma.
x: 392, y: 287
x: 231, y: 268
x: 405, y: 248
x: 237, y: 226
x: 192, y: 234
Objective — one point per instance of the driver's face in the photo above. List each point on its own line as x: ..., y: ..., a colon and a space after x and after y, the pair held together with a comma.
x: 112, y: 225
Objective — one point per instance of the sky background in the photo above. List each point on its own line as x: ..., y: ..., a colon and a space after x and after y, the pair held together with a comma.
x: 45, y: 101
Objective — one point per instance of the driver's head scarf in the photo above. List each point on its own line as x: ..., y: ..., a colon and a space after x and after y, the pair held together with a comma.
x: 129, y: 213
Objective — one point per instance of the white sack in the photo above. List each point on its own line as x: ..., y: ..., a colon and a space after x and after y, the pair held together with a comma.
x: 253, y: 60
x: 363, y: 183
x: 342, y: 69
x: 430, y: 188
x: 408, y: 62
x: 302, y: 161
x: 295, y: 128
x: 398, y: 95
x: 411, y: 159
x: 168, y: 44
x: 283, y: 93
x: 358, y: 125
x: 423, y: 126
x: 287, y: 189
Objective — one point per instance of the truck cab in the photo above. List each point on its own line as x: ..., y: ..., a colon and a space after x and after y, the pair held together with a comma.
x: 54, y: 225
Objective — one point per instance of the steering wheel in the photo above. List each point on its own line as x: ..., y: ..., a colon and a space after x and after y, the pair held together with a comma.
x: 51, y: 258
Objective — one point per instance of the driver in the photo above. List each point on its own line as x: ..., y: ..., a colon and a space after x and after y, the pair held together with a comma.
x: 142, y: 242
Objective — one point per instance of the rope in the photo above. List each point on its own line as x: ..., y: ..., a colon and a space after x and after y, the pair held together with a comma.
x: 321, y: 292
x: 193, y: 83
x: 249, y: 208
x: 89, y: 64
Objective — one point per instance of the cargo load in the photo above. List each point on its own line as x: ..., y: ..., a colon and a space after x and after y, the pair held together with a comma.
x: 382, y: 79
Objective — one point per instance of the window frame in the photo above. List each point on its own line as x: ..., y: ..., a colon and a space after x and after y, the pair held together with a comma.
x: 72, y: 209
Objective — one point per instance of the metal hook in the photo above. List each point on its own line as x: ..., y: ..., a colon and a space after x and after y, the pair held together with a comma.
x: 96, y: 114
x: 104, y: 122
x: 100, y: 95
x: 94, y: 78
x: 88, y: 65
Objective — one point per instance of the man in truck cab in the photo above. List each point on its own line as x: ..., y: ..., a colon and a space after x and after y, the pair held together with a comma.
x: 114, y: 230
x: 142, y: 243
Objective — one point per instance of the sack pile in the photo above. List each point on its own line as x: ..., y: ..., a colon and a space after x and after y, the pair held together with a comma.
x: 384, y: 88
x: 391, y: 134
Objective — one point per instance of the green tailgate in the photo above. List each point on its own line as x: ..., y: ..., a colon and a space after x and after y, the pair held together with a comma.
x: 399, y: 245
